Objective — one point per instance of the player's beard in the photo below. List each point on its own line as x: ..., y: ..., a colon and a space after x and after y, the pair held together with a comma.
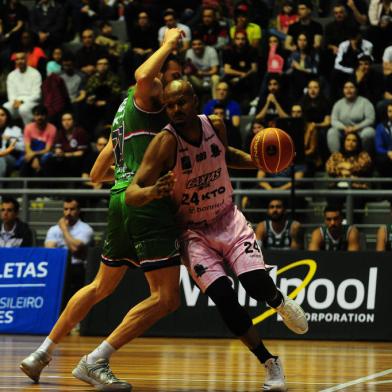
x: 277, y: 217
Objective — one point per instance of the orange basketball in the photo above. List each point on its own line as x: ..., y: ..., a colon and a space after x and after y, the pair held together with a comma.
x: 272, y: 150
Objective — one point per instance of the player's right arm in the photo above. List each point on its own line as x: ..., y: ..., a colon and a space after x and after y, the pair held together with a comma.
x: 260, y: 231
x: 148, y: 87
x: 148, y: 183
x: 381, y: 239
x: 316, y: 240
x: 102, y: 170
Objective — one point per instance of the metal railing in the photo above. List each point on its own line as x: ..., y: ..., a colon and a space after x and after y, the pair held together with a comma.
x: 26, y: 192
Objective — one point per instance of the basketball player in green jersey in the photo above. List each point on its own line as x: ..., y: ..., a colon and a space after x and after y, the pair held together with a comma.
x: 135, y: 236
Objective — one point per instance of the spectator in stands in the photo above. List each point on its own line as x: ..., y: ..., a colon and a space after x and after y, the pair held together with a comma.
x: 103, y: 91
x: 278, y: 231
x: 232, y: 107
x: 383, y: 144
x: 70, y: 146
x: 347, y: 59
x: 54, y: 93
x: 12, y: 146
x: 242, y: 24
x: 305, y: 25
x: 240, y: 68
x: 170, y: 19
x: 333, y: 235
x: 380, y: 31
x: 368, y: 80
x: 84, y: 14
x: 23, y: 89
x: 13, y: 232
x: 39, y: 138
x: 255, y: 127
x: 55, y: 60
x: 352, y: 161
x: 36, y: 57
x: 335, y: 33
x: 88, y: 55
x: 90, y: 158
x: 202, y: 67
x: 302, y: 66
x: 275, y: 60
x: 384, y: 237
x: 210, y: 31
x: 143, y: 38
x: 274, y: 104
x: 14, y: 16
x: 387, y: 71
x: 352, y: 113
x: 357, y: 10
x: 312, y: 159
x: 315, y: 106
x: 233, y: 133
x: 286, y: 17
x: 48, y: 21
x: 113, y: 45
x: 75, y: 235
x: 73, y: 79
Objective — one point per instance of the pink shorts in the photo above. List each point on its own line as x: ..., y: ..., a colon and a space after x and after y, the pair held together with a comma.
x: 227, y: 242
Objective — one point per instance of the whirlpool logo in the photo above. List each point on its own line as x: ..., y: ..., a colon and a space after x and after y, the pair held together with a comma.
x: 324, y: 299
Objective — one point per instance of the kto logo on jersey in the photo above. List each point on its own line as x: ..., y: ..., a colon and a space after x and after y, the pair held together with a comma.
x: 204, y: 180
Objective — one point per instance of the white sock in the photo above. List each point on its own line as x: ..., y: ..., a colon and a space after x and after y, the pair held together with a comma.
x: 48, y: 346
x: 104, y: 350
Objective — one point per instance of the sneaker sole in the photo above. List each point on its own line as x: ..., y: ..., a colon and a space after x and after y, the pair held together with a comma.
x: 276, y: 389
x: 27, y: 372
x: 105, y: 388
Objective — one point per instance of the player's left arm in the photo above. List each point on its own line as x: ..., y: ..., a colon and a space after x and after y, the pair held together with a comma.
x: 353, y: 240
x: 103, y: 171
x: 297, y: 236
x: 235, y: 159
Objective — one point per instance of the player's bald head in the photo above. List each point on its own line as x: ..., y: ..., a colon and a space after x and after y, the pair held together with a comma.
x: 179, y: 87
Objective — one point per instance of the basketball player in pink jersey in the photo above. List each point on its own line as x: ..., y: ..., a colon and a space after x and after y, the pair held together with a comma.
x: 193, y: 151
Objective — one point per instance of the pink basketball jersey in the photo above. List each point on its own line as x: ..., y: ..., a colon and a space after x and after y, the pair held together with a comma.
x: 203, y: 189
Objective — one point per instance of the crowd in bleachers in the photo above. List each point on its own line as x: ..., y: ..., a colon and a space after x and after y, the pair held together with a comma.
x: 321, y: 69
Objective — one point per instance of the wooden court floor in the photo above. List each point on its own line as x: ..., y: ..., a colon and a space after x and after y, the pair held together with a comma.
x: 211, y: 365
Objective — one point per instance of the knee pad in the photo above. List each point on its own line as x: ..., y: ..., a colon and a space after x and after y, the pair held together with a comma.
x: 259, y: 285
x: 234, y: 315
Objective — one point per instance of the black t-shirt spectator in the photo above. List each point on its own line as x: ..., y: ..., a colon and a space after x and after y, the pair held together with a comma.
x: 144, y: 39
x: 210, y: 34
x: 310, y: 30
x: 89, y: 56
x: 315, y: 109
x: 240, y: 60
x: 336, y: 33
x: 371, y: 86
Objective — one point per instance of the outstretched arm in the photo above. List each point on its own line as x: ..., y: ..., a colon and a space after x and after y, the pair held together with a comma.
x: 147, y: 185
x: 235, y: 159
x: 147, y: 86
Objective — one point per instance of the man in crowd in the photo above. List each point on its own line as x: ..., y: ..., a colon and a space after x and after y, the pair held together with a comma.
x: 23, y: 89
x: 13, y: 232
x: 278, y: 231
x: 333, y: 235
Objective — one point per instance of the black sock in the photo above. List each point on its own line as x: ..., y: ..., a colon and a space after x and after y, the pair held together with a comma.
x: 262, y: 353
x: 275, y: 302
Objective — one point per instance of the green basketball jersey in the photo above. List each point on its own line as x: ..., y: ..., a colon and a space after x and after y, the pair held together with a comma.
x: 333, y: 244
x: 132, y: 131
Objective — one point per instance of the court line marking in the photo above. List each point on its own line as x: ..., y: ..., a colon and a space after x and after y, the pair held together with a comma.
x: 380, y: 382
x: 357, y: 381
x: 131, y: 378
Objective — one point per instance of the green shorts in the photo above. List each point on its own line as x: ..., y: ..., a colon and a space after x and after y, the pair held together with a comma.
x: 144, y: 236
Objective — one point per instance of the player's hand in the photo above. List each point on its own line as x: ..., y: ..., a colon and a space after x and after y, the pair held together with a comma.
x: 172, y: 36
x: 164, y: 186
